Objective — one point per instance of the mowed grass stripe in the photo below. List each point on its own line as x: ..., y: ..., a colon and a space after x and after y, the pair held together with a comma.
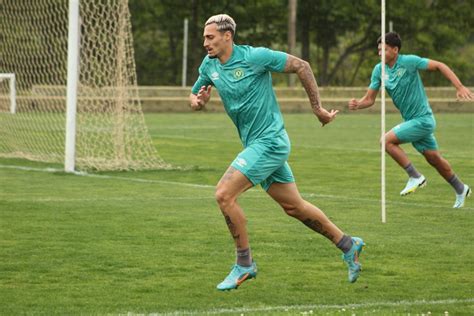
x: 256, y: 194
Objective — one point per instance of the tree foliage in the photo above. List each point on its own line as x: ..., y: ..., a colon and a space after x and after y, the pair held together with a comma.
x: 337, y: 37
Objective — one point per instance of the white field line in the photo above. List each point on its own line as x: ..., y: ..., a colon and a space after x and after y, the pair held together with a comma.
x: 91, y: 175
x: 259, y: 193
x: 105, y: 199
x: 313, y: 307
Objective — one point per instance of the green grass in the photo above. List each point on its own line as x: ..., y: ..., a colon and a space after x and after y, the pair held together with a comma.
x: 150, y: 242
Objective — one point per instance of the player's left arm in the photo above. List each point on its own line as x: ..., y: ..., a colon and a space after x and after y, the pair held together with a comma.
x: 306, y: 76
x: 462, y: 92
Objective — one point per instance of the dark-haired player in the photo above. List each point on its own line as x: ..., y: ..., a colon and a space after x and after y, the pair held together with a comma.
x: 404, y: 85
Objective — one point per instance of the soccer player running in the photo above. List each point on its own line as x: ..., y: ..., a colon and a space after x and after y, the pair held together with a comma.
x: 404, y: 85
x: 242, y: 75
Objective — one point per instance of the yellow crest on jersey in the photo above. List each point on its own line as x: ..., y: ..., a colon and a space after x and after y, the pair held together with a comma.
x: 238, y: 73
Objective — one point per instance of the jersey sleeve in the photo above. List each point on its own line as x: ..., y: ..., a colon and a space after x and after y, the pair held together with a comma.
x: 202, y: 80
x: 375, y: 80
x: 416, y: 62
x: 270, y: 60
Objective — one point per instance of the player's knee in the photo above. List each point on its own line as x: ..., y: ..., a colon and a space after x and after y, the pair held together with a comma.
x: 388, y: 145
x: 223, y: 197
x: 292, y: 209
x: 389, y: 141
x: 381, y: 140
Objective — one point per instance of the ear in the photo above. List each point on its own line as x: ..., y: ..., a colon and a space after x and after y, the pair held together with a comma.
x: 228, y: 35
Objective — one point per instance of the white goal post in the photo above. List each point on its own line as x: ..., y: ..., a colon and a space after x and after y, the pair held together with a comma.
x: 76, y: 96
x: 72, y: 81
x: 12, y: 90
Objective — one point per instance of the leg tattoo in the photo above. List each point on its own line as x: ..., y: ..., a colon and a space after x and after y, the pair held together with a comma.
x: 316, y: 225
x: 232, y: 229
x: 228, y: 174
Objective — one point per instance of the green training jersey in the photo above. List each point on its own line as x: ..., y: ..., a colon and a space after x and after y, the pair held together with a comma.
x: 403, y: 84
x: 245, y: 86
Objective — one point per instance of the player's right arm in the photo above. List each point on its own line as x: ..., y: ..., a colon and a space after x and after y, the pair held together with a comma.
x: 201, y: 90
x: 367, y: 100
x: 199, y: 100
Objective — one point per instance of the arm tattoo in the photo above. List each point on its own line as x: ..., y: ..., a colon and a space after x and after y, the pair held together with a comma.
x: 316, y: 225
x: 306, y: 76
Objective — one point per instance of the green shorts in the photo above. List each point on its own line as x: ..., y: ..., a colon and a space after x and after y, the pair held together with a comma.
x: 418, y: 132
x: 265, y: 162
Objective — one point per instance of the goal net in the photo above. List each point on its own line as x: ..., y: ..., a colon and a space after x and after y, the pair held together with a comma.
x: 110, y: 128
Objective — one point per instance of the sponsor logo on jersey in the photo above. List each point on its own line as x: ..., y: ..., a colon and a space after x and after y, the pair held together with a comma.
x: 215, y: 75
x: 241, y: 162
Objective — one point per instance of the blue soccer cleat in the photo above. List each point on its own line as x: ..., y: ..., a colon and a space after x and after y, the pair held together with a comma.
x: 352, y: 258
x: 237, y: 276
x: 461, y: 198
x: 413, y: 184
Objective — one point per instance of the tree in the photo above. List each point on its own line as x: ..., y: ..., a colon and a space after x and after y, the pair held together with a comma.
x: 440, y: 30
x: 339, y: 29
x: 337, y: 37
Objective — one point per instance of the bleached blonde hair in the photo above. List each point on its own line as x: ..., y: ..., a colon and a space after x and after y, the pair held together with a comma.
x: 224, y: 23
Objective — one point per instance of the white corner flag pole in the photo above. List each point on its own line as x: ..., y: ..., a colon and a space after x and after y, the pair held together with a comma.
x: 382, y: 111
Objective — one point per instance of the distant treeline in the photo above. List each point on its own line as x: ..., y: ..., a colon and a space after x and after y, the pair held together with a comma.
x: 338, y: 37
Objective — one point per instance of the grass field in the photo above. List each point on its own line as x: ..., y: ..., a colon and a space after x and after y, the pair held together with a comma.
x: 155, y: 241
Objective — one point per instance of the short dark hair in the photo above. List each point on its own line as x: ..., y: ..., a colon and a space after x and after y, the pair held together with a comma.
x: 392, y: 39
